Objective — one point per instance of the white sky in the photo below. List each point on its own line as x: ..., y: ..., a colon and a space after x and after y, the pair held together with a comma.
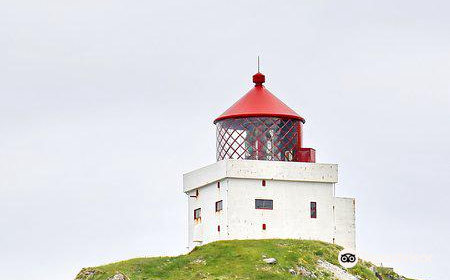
x: 104, y: 104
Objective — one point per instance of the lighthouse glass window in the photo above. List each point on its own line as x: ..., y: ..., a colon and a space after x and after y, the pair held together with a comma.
x: 258, y: 138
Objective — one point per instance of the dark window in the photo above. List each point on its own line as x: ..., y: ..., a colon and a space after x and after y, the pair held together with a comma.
x: 218, y: 185
x: 219, y: 205
x: 263, y: 204
x: 197, y: 213
x: 313, y: 210
x: 263, y: 183
x: 218, y: 228
x: 264, y: 227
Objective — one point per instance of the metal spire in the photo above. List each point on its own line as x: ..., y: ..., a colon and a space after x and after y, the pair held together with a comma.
x: 258, y: 63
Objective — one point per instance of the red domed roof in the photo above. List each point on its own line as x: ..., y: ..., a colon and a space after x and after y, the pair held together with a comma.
x: 259, y: 102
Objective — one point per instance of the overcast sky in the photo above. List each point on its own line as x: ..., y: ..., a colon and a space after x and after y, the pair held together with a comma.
x: 105, y: 104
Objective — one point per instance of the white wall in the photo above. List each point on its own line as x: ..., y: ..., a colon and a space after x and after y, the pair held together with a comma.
x: 260, y: 169
x: 291, y: 186
x: 290, y: 217
x: 205, y: 231
x: 345, y: 221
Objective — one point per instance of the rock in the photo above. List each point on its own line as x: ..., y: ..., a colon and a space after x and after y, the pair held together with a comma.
x: 304, y: 272
x: 378, y: 275
x: 270, y: 260
x: 300, y: 270
x: 338, y: 272
x: 118, y: 276
x: 86, y: 273
x: 199, y: 261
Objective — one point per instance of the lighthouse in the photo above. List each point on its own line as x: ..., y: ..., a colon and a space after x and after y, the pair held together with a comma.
x: 265, y: 184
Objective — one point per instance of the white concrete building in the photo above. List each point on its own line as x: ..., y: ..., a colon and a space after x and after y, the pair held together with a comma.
x: 265, y: 184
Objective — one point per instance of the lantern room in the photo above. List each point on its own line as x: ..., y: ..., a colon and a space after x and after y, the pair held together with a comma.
x: 259, y: 126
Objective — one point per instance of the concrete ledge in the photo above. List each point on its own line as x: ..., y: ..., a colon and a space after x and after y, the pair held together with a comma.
x: 260, y: 169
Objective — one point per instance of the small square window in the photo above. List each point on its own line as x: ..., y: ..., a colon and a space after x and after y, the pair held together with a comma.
x: 219, y: 205
x: 197, y: 213
x: 264, y: 204
x: 313, y: 207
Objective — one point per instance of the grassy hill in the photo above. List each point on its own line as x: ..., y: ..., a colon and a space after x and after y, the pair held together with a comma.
x: 243, y: 259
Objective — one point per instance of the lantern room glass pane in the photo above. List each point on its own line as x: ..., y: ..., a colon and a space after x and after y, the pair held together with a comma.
x: 258, y: 138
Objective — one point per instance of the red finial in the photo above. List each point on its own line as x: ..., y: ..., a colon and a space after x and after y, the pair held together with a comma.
x: 259, y: 79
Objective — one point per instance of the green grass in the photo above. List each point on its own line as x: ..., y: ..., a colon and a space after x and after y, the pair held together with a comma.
x: 235, y: 259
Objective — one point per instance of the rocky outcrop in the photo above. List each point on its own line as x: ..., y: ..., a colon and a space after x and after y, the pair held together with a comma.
x: 338, y: 272
x: 118, y: 276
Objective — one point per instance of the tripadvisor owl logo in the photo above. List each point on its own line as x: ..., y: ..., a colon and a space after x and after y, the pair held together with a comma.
x: 348, y: 258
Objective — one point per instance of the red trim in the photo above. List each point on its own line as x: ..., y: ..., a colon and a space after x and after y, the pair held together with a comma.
x: 237, y: 116
x: 307, y: 155
x: 299, y: 141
